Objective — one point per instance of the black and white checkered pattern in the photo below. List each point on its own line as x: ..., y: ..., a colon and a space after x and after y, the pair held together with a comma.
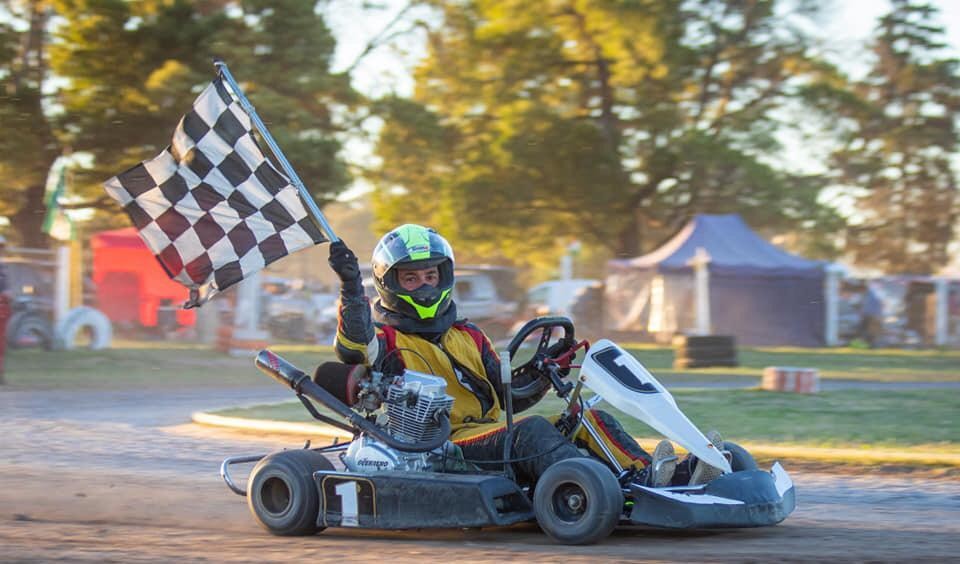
x: 212, y: 207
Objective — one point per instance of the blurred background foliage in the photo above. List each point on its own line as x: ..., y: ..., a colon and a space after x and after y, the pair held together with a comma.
x: 610, y: 122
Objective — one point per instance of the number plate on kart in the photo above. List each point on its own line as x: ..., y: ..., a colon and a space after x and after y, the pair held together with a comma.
x: 347, y: 501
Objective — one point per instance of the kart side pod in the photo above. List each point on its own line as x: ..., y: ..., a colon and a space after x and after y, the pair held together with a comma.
x: 407, y: 500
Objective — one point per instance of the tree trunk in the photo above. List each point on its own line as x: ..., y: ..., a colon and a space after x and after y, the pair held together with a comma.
x: 28, y: 220
x: 628, y: 239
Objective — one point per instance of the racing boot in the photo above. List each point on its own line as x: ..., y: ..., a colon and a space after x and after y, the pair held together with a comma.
x: 703, y: 472
x: 663, y: 465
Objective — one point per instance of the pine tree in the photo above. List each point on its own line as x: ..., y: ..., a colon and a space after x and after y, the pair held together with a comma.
x: 900, y: 145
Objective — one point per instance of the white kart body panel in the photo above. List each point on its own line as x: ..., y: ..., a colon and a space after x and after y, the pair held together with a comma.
x: 624, y: 383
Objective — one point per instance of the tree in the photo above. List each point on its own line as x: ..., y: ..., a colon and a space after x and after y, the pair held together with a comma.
x: 110, y: 79
x: 611, y: 122
x: 28, y: 145
x: 899, y: 138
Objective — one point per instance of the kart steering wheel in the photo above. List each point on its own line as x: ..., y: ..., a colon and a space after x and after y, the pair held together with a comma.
x: 544, y: 351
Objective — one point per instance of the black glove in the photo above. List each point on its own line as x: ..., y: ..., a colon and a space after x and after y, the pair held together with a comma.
x: 344, y: 262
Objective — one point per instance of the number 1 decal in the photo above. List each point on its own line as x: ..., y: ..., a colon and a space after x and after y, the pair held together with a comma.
x: 348, y: 504
x: 347, y: 501
x: 614, y: 361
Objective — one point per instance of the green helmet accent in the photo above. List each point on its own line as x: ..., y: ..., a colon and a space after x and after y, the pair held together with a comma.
x: 414, y: 247
x: 424, y: 312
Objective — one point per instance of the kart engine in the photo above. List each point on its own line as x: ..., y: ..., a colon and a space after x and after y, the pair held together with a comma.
x: 414, y: 403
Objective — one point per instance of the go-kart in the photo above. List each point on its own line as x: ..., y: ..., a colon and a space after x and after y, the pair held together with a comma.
x: 401, y: 471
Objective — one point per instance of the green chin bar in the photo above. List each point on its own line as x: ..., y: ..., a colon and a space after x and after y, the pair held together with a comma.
x: 425, y: 312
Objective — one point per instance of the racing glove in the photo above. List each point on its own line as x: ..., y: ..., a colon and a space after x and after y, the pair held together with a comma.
x: 344, y: 263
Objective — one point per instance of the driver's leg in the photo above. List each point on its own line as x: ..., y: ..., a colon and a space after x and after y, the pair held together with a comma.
x: 623, y: 447
x: 537, y: 444
x: 656, y: 470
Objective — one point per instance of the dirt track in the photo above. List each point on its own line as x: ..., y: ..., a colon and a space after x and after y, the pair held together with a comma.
x: 94, y: 476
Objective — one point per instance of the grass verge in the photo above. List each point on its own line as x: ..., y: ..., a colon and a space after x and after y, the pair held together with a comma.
x: 174, y: 364
x: 863, y: 427
x: 149, y: 364
x: 882, y: 365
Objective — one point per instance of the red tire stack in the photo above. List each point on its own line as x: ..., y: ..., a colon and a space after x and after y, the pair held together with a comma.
x: 791, y: 379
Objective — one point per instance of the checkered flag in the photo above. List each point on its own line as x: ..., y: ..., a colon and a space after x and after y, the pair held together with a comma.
x: 212, y: 207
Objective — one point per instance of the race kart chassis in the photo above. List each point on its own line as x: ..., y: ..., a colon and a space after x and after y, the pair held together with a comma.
x: 403, y: 500
x: 295, y: 492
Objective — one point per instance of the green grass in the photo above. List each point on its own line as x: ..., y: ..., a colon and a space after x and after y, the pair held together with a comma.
x: 164, y: 363
x: 146, y: 363
x: 846, y: 418
x: 886, y: 365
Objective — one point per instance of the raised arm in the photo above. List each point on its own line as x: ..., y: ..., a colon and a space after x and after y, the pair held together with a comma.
x: 356, y: 341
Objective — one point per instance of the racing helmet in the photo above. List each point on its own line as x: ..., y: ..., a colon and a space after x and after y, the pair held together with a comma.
x: 415, y: 247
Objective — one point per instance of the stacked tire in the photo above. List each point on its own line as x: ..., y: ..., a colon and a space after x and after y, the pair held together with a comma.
x: 27, y: 329
x: 701, y: 351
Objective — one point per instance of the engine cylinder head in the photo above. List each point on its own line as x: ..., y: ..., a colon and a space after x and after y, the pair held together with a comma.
x: 412, y: 406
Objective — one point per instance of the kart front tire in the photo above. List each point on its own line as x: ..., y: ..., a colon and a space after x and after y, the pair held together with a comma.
x: 578, y: 501
x: 281, y: 492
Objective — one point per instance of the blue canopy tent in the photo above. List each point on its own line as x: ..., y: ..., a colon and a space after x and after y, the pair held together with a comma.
x: 759, y: 293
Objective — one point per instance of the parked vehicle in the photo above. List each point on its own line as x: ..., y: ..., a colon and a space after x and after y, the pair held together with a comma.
x: 31, y: 320
x: 556, y: 297
x: 295, y: 311
x: 486, y: 295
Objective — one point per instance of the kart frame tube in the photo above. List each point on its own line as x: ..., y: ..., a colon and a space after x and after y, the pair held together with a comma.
x: 286, y: 373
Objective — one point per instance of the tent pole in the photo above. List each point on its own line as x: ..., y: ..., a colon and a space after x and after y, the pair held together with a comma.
x: 831, y: 300
x: 701, y: 272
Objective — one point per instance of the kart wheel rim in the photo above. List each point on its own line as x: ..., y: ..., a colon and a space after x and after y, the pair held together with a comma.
x: 275, y: 496
x: 569, y: 502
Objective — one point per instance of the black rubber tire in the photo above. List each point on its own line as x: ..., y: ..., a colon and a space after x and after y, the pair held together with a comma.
x: 600, y: 494
x: 705, y: 352
x: 701, y: 351
x: 697, y: 363
x: 740, y: 458
x: 281, y: 492
x: 29, y: 330
x: 709, y: 358
x: 727, y: 341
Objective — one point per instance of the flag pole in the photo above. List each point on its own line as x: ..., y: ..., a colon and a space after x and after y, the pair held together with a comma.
x: 287, y: 167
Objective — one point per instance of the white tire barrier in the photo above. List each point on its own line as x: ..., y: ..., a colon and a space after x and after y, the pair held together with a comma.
x: 85, y: 318
x: 791, y: 379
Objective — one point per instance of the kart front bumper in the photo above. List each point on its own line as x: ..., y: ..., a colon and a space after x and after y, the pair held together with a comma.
x: 749, y: 498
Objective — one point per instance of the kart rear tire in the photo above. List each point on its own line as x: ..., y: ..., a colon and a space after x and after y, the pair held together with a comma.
x: 578, y: 501
x: 281, y: 492
x: 740, y: 458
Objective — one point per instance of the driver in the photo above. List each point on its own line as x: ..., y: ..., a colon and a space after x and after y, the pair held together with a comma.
x: 414, y: 325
